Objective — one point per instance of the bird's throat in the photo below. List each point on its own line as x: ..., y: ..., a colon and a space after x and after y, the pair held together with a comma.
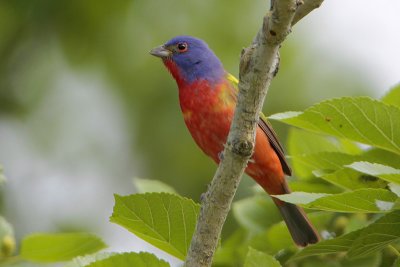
x: 174, y: 70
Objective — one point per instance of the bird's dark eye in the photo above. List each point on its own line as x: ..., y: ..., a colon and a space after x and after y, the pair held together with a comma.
x: 182, y: 47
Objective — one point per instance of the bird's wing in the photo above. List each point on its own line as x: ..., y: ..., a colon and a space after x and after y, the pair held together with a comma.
x: 267, y: 129
x: 276, y: 145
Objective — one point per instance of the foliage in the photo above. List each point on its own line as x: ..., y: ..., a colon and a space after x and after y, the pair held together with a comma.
x: 59, y: 247
x: 130, y: 259
x: 369, y: 200
x: 81, y: 261
x: 41, y: 40
x: 370, y: 176
x: 256, y: 258
x: 164, y: 220
x: 359, y: 218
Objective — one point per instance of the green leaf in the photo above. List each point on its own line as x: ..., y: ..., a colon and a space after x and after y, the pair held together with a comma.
x: 301, y: 197
x: 393, y: 97
x: 257, y: 258
x: 131, y: 259
x: 380, y: 156
x: 44, y: 248
x: 304, y: 142
x: 347, y: 223
x: 314, y: 185
x: 362, y: 200
x: 396, y: 205
x: 340, y: 260
x: 350, y: 179
x: 274, y: 239
x: 340, y: 244
x: 255, y: 214
x: 377, y: 236
x: 277, y: 237
x: 331, y: 161
x: 397, y: 263
x: 395, y: 188
x: 233, y: 249
x: 360, y: 119
x: 164, y: 220
x: 384, y: 172
x: 83, y: 261
x: 152, y: 186
x: 327, y: 161
x: 374, y: 260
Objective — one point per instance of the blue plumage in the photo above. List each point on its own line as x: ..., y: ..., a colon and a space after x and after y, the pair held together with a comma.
x: 198, y: 62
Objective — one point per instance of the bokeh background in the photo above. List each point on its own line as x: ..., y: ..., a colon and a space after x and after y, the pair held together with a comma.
x: 84, y: 109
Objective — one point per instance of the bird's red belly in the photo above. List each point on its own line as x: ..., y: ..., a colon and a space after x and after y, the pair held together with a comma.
x: 210, y: 131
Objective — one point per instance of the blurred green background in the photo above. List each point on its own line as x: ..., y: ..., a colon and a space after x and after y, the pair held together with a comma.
x: 84, y: 108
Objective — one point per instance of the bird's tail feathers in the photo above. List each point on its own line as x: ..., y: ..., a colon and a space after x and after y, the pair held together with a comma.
x: 300, y: 228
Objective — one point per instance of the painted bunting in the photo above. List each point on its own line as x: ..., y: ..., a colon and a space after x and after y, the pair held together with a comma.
x: 207, y: 95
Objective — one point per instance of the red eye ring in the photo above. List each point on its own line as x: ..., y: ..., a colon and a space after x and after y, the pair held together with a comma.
x: 182, y: 47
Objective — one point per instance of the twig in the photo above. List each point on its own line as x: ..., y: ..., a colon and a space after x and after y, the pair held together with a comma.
x: 305, y: 8
x: 257, y: 68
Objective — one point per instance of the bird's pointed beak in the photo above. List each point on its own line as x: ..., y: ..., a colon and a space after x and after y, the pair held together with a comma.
x: 160, y: 51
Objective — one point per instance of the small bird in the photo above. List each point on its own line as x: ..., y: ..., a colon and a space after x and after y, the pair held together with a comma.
x: 207, y: 96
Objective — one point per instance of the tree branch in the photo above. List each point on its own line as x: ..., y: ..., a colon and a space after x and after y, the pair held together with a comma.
x: 257, y: 68
x: 305, y: 8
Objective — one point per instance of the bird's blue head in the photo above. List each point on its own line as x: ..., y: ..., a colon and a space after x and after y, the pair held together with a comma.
x: 190, y: 59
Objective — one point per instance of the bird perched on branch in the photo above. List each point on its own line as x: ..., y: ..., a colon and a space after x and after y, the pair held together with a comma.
x: 207, y: 95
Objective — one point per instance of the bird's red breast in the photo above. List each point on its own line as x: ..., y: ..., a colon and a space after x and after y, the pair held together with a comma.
x: 208, y: 112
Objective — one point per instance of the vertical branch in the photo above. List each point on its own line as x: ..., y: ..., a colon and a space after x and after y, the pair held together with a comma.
x: 257, y: 67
